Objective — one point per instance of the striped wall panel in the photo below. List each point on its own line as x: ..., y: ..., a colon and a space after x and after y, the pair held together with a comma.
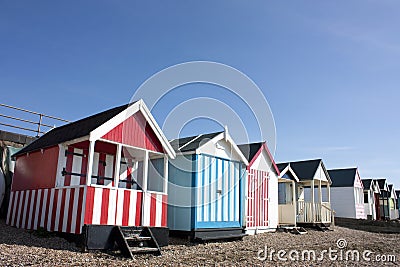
x: 135, y: 131
x: 360, y: 211
x: 61, y: 209
x: 218, y: 196
x: 106, y: 206
x: 52, y: 209
x: 257, y: 199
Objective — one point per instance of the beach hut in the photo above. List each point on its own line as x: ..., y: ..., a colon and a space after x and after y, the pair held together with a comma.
x: 384, y: 199
x: 126, y: 156
x: 393, y: 211
x: 287, y: 196
x: 312, y: 192
x: 371, y: 199
x: 207, y: 187
x: 347, y: 193
x: 262, y: 189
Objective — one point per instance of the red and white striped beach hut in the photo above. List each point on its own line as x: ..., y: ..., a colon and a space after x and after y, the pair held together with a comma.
x: 126, y: 154
x: 261, y: 189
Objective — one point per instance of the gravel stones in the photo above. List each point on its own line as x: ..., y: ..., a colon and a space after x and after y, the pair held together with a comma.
x: 22, y: 248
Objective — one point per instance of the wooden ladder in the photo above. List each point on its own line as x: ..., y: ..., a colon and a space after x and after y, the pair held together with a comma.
x: 135, y: 240
x: 299, y: 231
x: 322, y: 227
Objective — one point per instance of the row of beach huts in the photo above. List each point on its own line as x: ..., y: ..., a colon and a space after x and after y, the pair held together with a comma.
x: 143, y: 188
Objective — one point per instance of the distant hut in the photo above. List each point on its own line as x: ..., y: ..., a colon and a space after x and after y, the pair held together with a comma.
x: 393, y: 211
x: 288, y: 189
x: 312, y: 192
x: 347, y: 193
x: 384, y: 198
x: 371, y: 199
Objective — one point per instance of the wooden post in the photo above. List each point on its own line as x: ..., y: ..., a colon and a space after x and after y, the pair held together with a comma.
x: 328, y: 187
x: 312, y: 201
x: 145, y: 211
x: 320, y: 201
x: 90, y: 163
x: 320, y: 192
x: 294, y: 202
x: 165, y: 174
x: 117, y: 165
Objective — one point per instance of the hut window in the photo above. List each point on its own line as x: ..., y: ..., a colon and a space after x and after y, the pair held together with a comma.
x: 74, y: 167
x: 155, y: 180
x: 103, y: 166
x: 131, y: 174
x: 366, y: 198
x: 324, y: 192
x: 131, y: 169
x: 282, y: 193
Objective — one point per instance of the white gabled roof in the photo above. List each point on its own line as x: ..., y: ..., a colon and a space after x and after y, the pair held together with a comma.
x: 226, y: 136
x: 128, y: 112
x: 199, y: 144
x: 286, y: 170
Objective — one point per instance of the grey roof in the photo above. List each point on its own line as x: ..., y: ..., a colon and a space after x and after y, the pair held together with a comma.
x: 381, y: 183
x: 250, y: 150
x: 72, y: 130
x: 343, y: 177
x: 306, y: 169
x: 191, y: 143
x: 390, y: 187
x: 366, y: 182
x: 282, y: 166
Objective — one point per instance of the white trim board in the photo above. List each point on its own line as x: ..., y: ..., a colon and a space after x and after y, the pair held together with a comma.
x: 228, y: 138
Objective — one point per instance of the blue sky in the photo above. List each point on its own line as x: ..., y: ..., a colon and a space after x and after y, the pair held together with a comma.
x: 329, y: 70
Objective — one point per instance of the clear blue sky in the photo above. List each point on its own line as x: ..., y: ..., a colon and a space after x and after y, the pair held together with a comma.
x: 330, y: 70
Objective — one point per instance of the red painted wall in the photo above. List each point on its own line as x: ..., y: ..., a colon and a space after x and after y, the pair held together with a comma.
x: 38, y: 170
x: 135, y: 131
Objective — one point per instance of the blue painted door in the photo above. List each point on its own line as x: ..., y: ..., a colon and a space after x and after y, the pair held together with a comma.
x: 217, y: 197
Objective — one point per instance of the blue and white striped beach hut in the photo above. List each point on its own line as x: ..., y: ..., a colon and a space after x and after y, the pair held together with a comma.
x: 207, y: 187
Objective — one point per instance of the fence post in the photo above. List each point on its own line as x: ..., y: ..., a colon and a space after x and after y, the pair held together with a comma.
x: 40, y: 122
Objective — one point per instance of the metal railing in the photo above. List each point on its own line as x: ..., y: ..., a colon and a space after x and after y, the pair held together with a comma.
x: 40, y: 125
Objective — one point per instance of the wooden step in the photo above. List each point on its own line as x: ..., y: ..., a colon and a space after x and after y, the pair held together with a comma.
x: 298, y: 231
x: 133, y: 240
x: 322, y: 228
x: 138, y: 238
x: 128, y: 232
x: 143, y: 250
